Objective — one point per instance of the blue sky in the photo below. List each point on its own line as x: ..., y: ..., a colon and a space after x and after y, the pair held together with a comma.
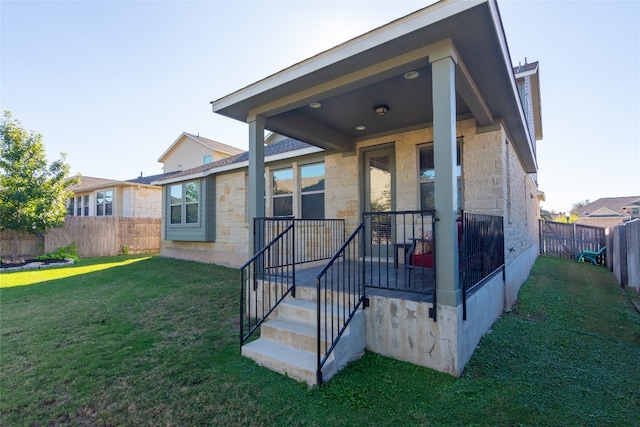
x: 113, y: 84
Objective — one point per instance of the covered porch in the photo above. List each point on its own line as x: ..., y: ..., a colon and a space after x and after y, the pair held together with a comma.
x: 370, y: 103
x: 387, y: 263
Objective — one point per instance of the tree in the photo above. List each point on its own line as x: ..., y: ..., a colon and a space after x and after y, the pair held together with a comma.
x: 547, y: 215
x: 576, y: 208
x: 33, y: 194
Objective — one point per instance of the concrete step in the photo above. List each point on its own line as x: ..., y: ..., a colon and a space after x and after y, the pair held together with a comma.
x: 304, y: 310
x: 288, y: 341
x: 298, y: 364
x: 294, y: 333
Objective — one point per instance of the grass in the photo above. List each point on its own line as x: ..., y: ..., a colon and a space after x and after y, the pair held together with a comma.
x: 153, y: 341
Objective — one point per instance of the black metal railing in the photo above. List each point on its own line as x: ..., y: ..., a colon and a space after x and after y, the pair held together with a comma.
x: 481, y: 251
x: 340, y: 292
x: 400, y: 250
x: 265, y: 280
x: 316, y: 239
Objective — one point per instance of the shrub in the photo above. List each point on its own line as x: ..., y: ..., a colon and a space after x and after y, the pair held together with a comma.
x: 64, y: 252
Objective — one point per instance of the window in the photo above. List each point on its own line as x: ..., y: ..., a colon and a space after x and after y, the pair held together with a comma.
x: 206, y: 159
x: 104, y: 203
x: 70, y: 204
x: 86, y: 205
x: 312, y: 191
x: 428, y: 174
x: 184, y: 203
x: 283, y: 192
x: 79, y: 206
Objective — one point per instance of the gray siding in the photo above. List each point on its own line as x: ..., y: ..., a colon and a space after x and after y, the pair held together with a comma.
x: 204, y: 231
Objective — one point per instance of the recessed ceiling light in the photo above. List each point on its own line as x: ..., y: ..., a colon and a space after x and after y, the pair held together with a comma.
x: 381, y: 109
x: 360, y: 127
x: 410, y: 75
x: 315, y: 105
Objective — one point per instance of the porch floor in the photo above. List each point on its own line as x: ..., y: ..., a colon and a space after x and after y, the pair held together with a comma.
x: 381, y: 279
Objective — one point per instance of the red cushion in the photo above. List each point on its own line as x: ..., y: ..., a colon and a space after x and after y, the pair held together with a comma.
x: 422, y: 260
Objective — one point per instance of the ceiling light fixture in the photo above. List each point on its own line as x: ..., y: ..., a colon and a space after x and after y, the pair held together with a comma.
x: 381, y: 109
x: 410, y: 75
x: 315, y: 105
x: 360, y: 127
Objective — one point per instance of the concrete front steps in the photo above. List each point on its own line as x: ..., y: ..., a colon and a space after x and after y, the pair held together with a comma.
x: 288, y: 341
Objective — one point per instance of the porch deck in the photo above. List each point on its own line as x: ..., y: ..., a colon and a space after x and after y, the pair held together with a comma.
x: 380, y: 278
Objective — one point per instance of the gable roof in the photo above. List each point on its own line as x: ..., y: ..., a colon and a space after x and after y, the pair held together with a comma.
x: 349, y: 79
x: 284, y: 148
x: 532, y: 70
x: 147, y: 180
x: 609, y: 207
x: 90, y: 183
x: 209, y: 143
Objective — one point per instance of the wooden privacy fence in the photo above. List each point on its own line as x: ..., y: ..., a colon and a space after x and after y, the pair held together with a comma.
x: 93, y: 236
x: 568, y: 240
x: 28, y: 244
x: 624, y: 257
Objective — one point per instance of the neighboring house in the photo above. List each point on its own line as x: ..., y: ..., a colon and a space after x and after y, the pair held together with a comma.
x: 189, y: 151
x: 134, y: 198
x: 610, y: 211
x: 418, y: 131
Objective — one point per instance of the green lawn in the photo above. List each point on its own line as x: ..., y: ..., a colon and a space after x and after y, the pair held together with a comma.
x: 153, y: 341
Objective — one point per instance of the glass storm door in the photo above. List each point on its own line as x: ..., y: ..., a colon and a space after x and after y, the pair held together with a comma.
x: 379, y: 197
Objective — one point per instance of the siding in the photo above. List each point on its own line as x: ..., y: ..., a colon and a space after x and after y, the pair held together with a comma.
x: 189, y: 154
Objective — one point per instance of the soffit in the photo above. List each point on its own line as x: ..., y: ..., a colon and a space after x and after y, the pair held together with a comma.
x: 351, y: 79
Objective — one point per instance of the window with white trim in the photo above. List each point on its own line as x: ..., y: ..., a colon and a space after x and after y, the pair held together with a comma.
x: 312, y: 191
x: 86, y: 205
x: 104, y: 203
x: 184, y: 202
x: 70, y: 206
x: 428, y: 175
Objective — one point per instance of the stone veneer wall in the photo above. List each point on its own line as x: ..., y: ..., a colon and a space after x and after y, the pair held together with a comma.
x: 143, y: 202
x: 230, y: 247
x: 494, y: 182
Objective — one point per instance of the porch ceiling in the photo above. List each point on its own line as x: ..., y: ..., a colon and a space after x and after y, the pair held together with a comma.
x: 350, y: 79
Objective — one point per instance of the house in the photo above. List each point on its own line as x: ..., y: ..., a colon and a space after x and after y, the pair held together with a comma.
x: 400, y: 213
x: 134, y: 198
x: 189, y: 151
x: 610, y: 211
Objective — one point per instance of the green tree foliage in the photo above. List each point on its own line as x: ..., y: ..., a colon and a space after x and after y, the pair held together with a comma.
x: 32, y: 194
x: 576, y: 208
x: 547, y: 215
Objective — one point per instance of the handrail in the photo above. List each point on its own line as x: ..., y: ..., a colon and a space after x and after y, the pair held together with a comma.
x: 481, y: 252
x: 266, y: 247
x: 317, y: 239
x: 277, y: 280
x: 347, y: 280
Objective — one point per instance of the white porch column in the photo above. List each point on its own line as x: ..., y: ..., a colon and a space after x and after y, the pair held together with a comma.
x: 446, y: 200
x: 256, y: 202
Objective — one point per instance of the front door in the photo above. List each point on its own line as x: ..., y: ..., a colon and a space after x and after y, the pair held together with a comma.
x: 379, y: 191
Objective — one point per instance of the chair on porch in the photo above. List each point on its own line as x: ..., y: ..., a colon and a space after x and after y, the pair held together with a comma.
x: 591, y: 256
x: 420, y: 253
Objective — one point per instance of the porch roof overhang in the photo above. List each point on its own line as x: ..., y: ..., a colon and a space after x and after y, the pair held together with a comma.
x: 352, y: 78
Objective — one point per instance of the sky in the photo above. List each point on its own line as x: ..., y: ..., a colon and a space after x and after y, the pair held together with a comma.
x: 114, y: 83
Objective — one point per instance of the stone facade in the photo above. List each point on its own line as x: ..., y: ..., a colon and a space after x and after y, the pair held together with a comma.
x: 129, y: 201
x: 230, y: 247
x: 493, y: 182
x: 141, y: 202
